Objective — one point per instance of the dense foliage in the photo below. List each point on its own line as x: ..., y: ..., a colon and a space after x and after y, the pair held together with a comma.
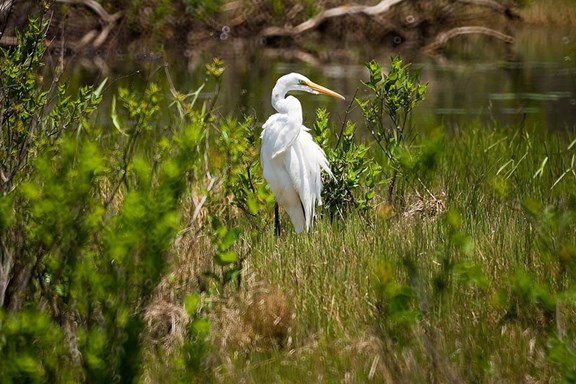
x: 89, y: 217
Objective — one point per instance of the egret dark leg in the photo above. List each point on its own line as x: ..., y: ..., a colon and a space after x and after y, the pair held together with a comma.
x: 276, y: 220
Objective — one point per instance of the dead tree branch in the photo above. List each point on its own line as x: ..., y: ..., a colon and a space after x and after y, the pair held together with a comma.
x: 95, y: 38
x: 344, y: 10
x: 96, y: 8
x: 378, y: 12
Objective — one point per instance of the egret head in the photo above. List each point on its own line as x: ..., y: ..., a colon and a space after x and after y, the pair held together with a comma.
x: 297, y: 82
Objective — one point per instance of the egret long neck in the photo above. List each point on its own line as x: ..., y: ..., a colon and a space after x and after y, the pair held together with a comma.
x: 288, y: 105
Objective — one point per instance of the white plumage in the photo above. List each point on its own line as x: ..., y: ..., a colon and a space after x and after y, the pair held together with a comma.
x: 291, y: 160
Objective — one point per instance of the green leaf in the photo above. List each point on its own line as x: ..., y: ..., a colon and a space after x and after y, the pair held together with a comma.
x: 219, y: 229
x: 252, y: 204
x: 98, y: 91
x: 231, y: 276
x: 472, y: 274
x: 226, y: 258
x: 200, y: 327
x: 115, y: 118
x: 229, y: 239
x: 533, y: 207
x: 192, y: 304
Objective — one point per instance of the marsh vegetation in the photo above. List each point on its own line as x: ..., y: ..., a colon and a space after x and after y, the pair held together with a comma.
x: 137, y: 240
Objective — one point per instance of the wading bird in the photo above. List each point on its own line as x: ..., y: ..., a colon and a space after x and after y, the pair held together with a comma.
x: 291, y: 160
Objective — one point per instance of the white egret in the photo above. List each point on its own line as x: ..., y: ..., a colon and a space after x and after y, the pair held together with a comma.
x: 291, y: 160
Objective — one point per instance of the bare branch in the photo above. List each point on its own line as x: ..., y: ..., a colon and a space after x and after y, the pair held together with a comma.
x: 96, y: 8
x: 94, y: 37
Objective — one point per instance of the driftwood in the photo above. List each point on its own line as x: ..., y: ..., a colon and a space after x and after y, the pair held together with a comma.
x: 344, y: 10
x: 423, y: 23
x: 379, y: 13
x: 95, y: 38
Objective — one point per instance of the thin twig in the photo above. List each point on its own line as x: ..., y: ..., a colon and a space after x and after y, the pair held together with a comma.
x: 250, y: 179
x: 348, y: 109
x: 202, y: 201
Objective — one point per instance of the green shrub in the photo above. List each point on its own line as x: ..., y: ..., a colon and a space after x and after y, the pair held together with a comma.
x: 90, y: 217
x: 394, y: 97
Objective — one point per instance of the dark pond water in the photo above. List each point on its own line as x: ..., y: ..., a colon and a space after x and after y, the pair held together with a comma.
x: 476, y: 78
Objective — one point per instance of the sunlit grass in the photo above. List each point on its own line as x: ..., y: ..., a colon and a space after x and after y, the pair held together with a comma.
x: 450, y: 296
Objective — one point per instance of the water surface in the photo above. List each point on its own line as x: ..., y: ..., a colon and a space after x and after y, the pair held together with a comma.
x: 532, y: 81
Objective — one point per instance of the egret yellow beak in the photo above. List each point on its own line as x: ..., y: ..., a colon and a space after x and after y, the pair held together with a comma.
x: 321, y: 89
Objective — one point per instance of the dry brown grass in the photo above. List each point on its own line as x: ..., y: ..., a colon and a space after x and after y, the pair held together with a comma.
x: 166, y: 319
x: 257, y: 317
x: 269, y: 314
x: 166, y: 323
x: 425, y: 204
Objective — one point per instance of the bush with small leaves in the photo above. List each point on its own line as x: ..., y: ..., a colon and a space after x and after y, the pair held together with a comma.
x: 355, y: 175
x: 394, y: 97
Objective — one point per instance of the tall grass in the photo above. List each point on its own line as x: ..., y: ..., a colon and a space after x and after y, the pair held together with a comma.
x: 469, y: 293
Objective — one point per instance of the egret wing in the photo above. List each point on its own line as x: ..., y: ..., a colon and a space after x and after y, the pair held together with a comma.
x: 278, y: 134
x: 304, y: 163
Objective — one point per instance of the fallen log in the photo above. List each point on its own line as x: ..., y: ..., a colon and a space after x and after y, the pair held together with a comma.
x: 379, y: 10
